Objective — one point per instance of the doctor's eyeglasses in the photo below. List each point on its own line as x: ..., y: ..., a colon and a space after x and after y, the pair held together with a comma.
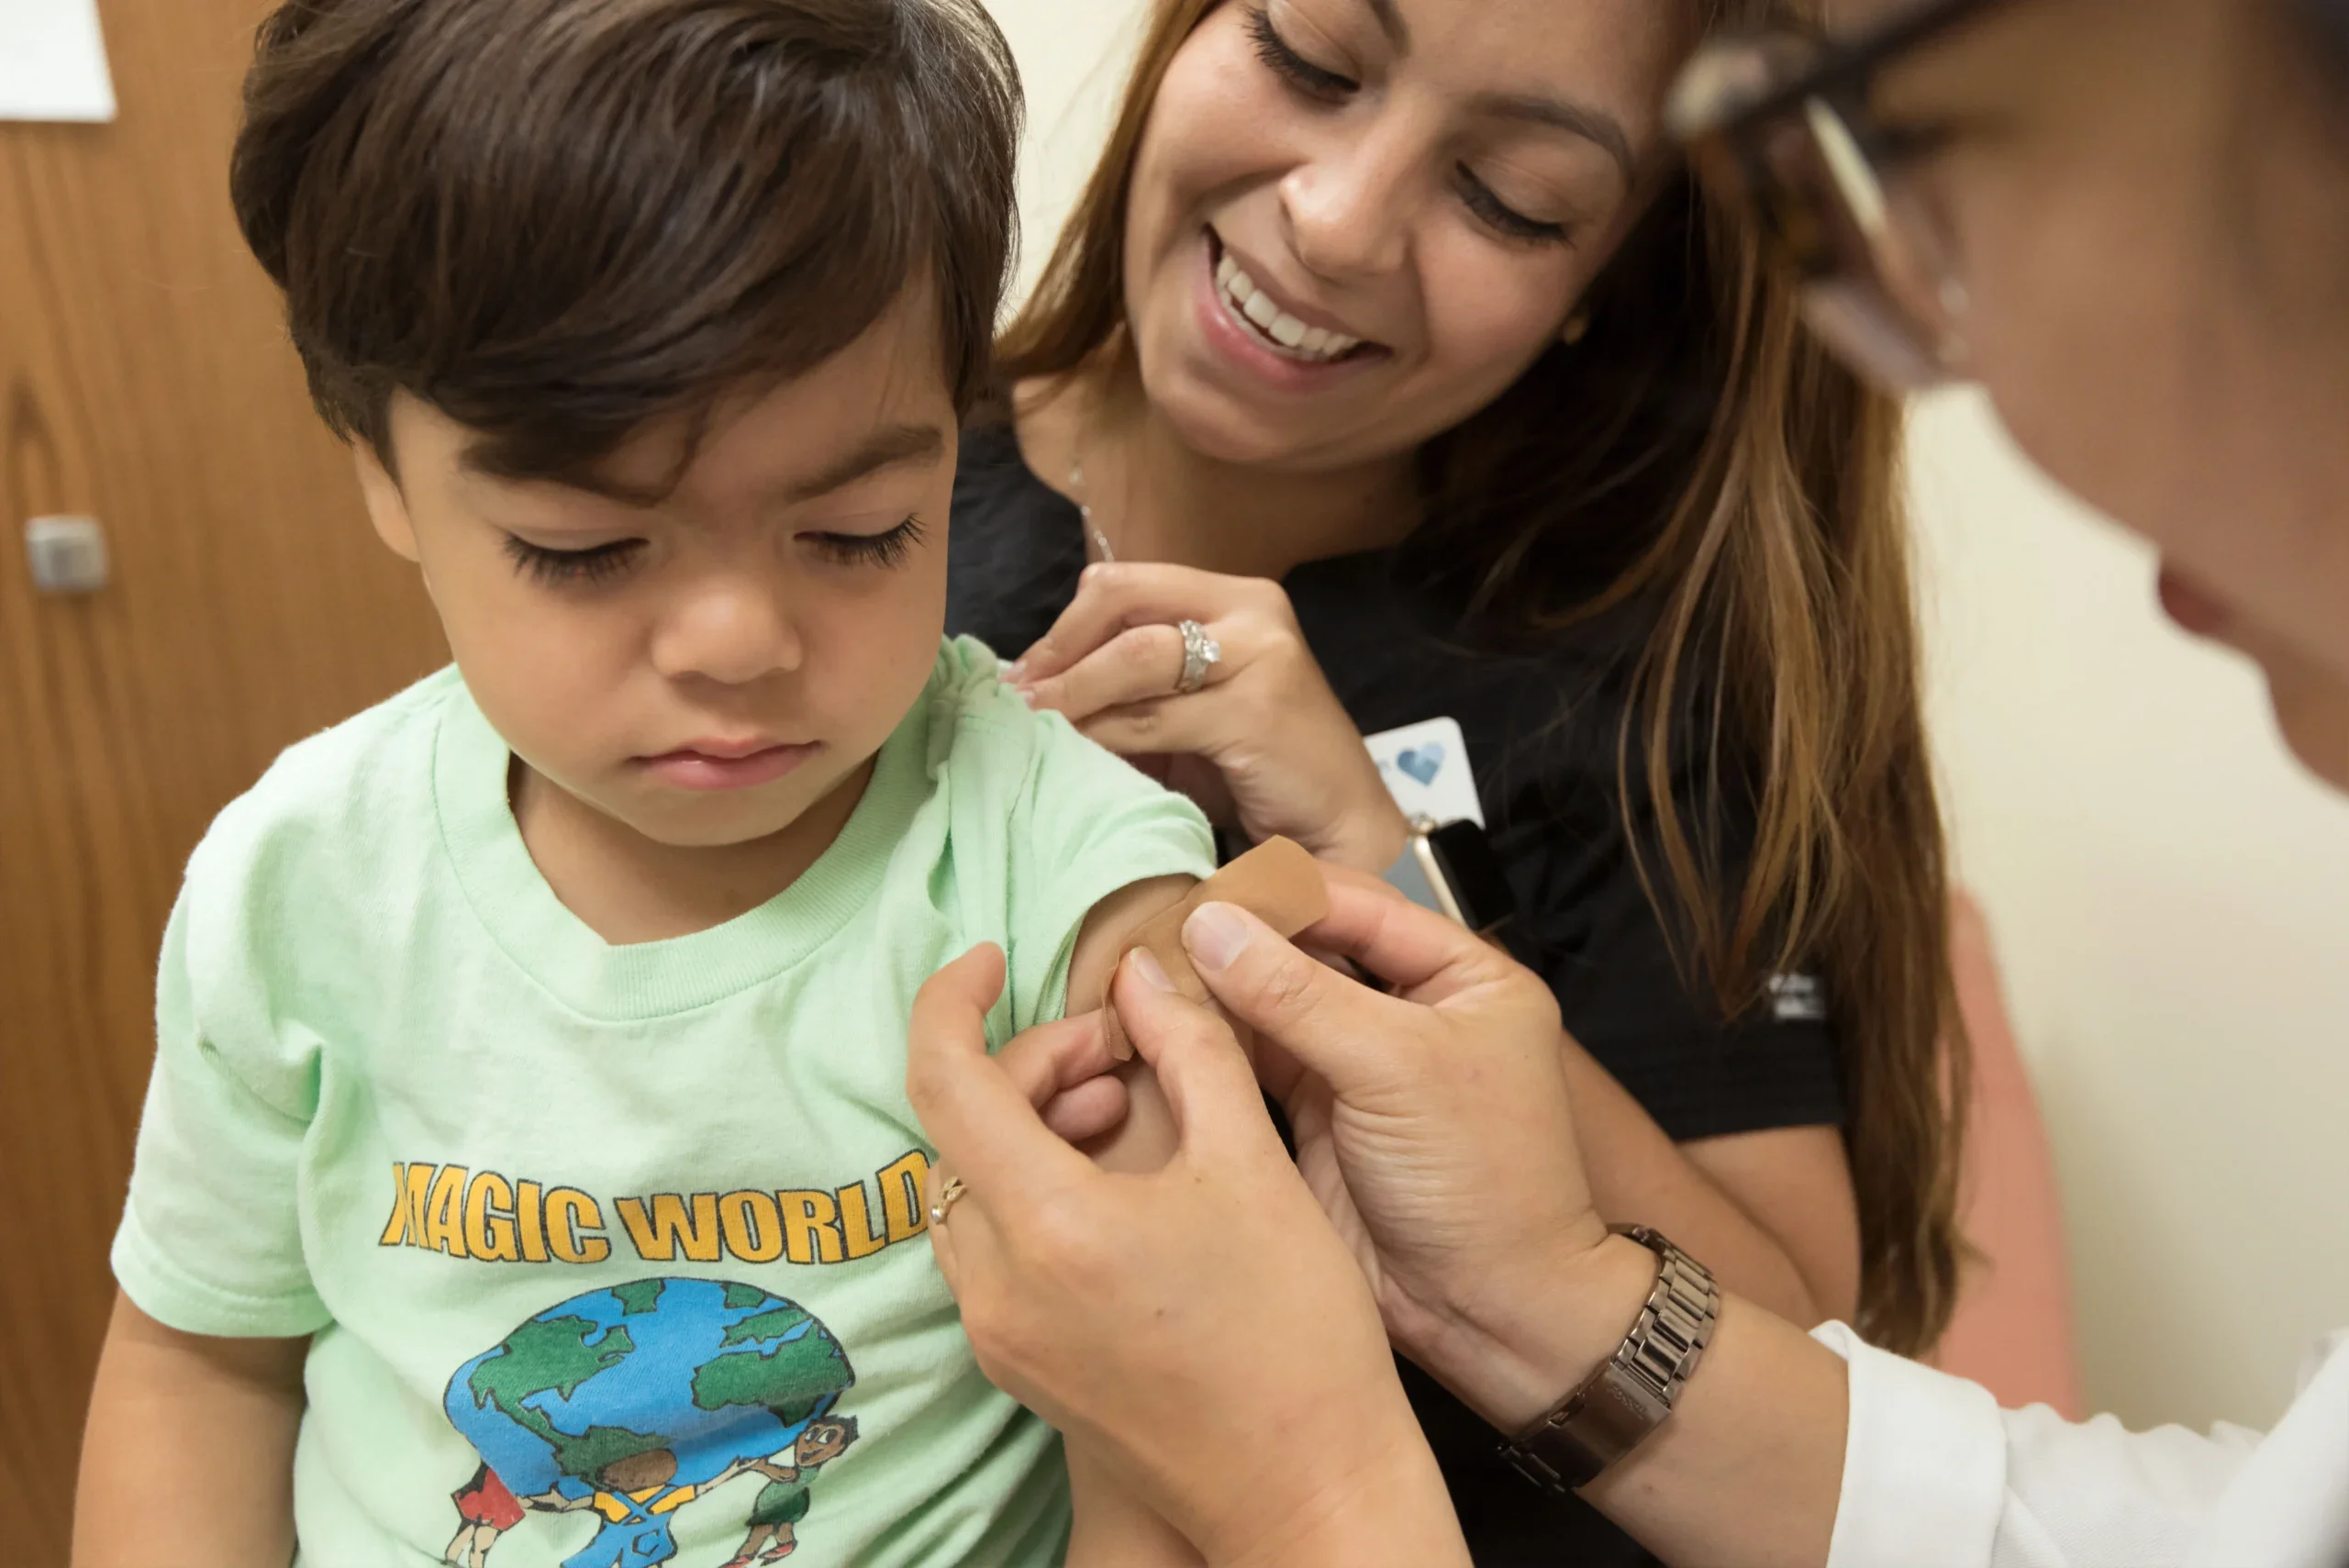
x: 1780, y: 118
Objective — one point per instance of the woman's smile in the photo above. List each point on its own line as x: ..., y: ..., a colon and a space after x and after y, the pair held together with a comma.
x: 1278, y: 343
x: 1294, y: 330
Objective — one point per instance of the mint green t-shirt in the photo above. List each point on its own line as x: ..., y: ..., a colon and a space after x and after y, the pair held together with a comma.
x: 584, y: 1233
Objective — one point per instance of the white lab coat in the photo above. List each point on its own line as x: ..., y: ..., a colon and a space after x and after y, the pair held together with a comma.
x: 1935, y: 1475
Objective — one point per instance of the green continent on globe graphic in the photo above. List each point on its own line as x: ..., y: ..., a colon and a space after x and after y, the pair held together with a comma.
x: 794, y: 1380
x: 554, y: 1356
x: 699, y: 1347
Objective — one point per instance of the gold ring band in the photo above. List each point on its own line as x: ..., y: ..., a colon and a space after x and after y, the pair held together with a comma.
x: 947, y: 1195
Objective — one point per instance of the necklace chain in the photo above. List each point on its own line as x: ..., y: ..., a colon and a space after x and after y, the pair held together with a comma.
x: 1084, y: 508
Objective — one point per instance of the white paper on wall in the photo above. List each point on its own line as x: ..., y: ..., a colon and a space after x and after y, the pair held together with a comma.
x: 53, y: 62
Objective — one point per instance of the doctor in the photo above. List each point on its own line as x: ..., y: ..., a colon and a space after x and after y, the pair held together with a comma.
x: 2130, y: 220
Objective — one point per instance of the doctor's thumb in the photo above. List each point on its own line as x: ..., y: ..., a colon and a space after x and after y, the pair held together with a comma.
x: 1201, y: 1070
x: 1329, y: 1023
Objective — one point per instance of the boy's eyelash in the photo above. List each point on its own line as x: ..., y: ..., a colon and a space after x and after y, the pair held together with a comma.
x: 1285, y: 62
x: 559, y: 567
x: 886, y: 549
x: 1479, y: 199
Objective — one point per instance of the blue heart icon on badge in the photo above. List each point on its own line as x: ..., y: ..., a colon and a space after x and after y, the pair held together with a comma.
x: 1423, y: 762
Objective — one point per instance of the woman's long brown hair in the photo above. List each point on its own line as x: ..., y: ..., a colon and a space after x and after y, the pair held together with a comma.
x: 1699, y: 465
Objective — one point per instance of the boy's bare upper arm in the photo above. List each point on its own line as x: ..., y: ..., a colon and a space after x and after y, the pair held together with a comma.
x: 1109, y: 929
x: 1277, y: 880
x: 1147, y: 1136
x: 263, y: 1364
x: 166, y: 1406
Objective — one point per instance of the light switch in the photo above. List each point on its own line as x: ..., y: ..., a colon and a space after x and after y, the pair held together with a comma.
x: 67, y: 555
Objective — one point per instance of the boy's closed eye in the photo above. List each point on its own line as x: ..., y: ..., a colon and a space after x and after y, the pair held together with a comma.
x: 603, y: 562
x: 891, y: 548
x: 595, y: 564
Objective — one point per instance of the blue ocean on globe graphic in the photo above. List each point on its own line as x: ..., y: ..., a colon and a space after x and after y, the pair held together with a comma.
x: 716, y: 1372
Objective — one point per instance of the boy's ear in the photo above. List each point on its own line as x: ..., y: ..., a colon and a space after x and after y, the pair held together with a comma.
x: 386, y: 507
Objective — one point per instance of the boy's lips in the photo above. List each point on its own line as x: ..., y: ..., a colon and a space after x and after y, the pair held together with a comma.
x: 719, y: 766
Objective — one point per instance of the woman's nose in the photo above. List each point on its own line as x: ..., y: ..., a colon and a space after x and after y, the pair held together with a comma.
x: 733, y: 629
x: 1349, y: 212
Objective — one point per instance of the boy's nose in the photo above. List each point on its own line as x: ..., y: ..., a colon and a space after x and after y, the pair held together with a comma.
x: 732, y: 632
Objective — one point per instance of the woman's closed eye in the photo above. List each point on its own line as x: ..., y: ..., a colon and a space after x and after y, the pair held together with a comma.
x: 1503, y: 218
x: 891, y: 549
x: 597, y: 563
x: 1315, y: 82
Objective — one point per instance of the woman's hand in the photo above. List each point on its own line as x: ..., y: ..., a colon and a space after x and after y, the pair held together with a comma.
x: 1201, y: 1327
x: 1264, y: 732
x: 1433, y: 1124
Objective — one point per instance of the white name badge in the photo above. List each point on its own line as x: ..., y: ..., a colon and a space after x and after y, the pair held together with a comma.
x: 1426, y: 769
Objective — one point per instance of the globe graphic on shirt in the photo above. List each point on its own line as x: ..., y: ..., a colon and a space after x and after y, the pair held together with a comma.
x: 715, y: 1373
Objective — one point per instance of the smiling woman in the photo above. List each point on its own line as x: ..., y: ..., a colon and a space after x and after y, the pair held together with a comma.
x: 1386, y: 348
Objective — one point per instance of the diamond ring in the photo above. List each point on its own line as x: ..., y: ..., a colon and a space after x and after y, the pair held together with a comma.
x: 1201, y: 653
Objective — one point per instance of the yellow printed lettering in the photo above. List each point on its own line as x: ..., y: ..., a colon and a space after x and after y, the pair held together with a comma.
x: 901, y: 1190
x: 753, y: 1227
x: 444, y: 1222
x: 668, y: 1228
x: 396, y: 1227
x: 572, y: 1221
x: 531, y: 1215
x: 811, y: 1232
x: 415, y: 1198
x: 489, y: 1219
x: 856, y: 1224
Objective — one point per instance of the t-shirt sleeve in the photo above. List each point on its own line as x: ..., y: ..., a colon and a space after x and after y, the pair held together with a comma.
x: 210, y: 1240
x: 1082, y: 824
x: 1092, y: 826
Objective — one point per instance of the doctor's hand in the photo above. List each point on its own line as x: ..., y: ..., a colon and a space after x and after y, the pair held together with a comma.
x: 1433, y: 1124
x: 1200, y: 1327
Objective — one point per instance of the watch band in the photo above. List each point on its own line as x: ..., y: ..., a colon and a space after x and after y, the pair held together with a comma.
x: 1452, y: 870
x: 1632, y: 1391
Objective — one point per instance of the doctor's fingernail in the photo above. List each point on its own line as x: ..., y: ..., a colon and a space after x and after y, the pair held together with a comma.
x: 1216, y: 935
x: 1153, y: 972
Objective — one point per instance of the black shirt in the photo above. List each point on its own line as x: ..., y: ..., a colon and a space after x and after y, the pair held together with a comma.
x: 1541, y: 735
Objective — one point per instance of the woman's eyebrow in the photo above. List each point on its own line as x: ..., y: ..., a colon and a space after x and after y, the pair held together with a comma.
x: 1592, y: 125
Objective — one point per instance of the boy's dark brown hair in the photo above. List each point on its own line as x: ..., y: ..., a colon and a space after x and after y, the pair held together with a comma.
x: 556, y: 221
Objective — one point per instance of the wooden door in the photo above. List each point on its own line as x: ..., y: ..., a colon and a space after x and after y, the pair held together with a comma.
x: 144, y: 381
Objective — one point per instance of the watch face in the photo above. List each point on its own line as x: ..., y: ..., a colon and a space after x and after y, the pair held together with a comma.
x: 1475, y: 873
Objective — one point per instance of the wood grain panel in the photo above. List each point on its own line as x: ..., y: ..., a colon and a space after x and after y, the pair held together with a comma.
x: 144, y: 379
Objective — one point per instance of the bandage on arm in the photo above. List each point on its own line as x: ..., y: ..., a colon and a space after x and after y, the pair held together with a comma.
x: 1278, y: 881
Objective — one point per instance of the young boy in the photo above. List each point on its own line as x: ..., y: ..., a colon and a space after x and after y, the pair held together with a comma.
x: 527, y: 1161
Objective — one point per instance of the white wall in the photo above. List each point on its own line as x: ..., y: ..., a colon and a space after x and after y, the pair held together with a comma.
x: 1073, y: 59
x: 2169, y: 895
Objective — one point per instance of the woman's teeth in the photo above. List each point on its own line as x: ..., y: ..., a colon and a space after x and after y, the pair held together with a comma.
x: 1276, y: 325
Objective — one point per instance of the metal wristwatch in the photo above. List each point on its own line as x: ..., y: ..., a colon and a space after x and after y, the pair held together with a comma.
x: 1451, y: 869
x: 1632, y: 1391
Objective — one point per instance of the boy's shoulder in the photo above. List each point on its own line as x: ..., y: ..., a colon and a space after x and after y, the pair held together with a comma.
x: 363, y: 786
x: 983, y: 739
x: 967, y: 693
x: 999, y: 762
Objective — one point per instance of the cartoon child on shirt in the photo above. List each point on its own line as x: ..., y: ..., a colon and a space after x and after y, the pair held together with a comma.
x: 783, y: 1501
x: 486, y: 1510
